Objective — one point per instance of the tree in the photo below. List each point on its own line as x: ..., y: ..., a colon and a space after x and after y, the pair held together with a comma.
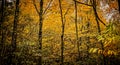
x: 99, y: 29
x: 14, y: 33
x: 41, y: 13
x: 40, y: 30
x: 62, y: 34
x: 1, y: 29
x: 76, y: 26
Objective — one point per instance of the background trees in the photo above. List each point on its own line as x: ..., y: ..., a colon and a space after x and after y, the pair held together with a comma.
x: 60, y: 32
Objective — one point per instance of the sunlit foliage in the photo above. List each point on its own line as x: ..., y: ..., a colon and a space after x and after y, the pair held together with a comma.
x: 27, y: 51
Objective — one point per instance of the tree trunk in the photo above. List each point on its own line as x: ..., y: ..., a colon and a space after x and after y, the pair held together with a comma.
x: 62, y: 34
x: 99, y: 31
x: 14, y: 34
x: 2, y: 31
x: 40, y: 31
x: 76, y: 27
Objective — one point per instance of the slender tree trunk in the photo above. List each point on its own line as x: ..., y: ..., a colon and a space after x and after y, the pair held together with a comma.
x: 2, y: 31
x: 1, y: 22
x: 41, y: 13
x: 40, y: 31
x: 16, y: 19
x: 62, y: 35
x: 14, y: 34
x: 76, y: 27
x: 99, y: 31
x: 2, y: 19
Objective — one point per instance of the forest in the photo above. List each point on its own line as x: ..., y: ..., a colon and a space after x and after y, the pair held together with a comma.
x: 59, y: 32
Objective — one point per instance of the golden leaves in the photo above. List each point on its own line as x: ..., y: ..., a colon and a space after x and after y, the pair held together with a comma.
x: 105, y: 52
x: 94, y: 50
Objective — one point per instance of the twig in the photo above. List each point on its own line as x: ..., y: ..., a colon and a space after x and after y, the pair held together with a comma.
x: 48, y: 6
x: 82, y: 3
x: 94, y: 7
x: 66, y: 13
x: 35, y: 7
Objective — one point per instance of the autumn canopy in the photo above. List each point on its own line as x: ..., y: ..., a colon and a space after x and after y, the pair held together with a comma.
x: 59, y: 32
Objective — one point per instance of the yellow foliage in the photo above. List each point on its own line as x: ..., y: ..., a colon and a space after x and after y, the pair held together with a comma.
x: 93, y: 50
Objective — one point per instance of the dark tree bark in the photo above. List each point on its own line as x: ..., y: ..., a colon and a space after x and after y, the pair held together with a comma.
x: 16, y: 19
x: 62, y: 34
x: 40, y: 31
x: 99, y: 30
x: 76, y: 27
x: 2, y: 31
x: 1, y: 21
x: 14, y: 34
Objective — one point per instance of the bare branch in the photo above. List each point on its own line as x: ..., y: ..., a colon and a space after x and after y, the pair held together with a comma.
x: 66, y: 13
x: 35, y: 6
x: 94, y: 7
x: 67, y: 9
x: 101, y: 20
x: 82, y: 3
x: 48, y: 6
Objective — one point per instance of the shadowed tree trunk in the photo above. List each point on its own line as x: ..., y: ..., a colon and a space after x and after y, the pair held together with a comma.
x: 99, y: 30
x: 2, y: 18
x: 41, y: 13
x: 62, y: 34
x: 2, y: 31
x: 14, y: 34
x: 76, y: 27
x: 40, y: 31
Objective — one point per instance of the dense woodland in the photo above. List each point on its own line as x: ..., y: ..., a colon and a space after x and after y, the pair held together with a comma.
x: 59, y: 32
